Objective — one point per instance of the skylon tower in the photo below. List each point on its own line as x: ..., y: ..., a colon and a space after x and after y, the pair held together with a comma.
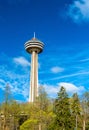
x: 34, y: 47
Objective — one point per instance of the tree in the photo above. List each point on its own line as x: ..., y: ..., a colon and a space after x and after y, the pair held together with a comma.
x: 75, y: 109
x: 10, y: 110
x: 40, y: 112
x: 62, y: 111
x: 43, y: 104
x: 5, y: 107
x: 29, y: 125
x: 42, y: 100
x: 85, y: 109
x: 15, y: 111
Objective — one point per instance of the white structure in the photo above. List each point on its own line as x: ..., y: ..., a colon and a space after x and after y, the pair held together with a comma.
x: 34, y: 46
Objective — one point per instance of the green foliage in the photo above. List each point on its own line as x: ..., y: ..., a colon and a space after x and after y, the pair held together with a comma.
x: 76, y: 110
x: 85, y: 108
x: 87, y: 125
x: 85, y: 102
x: 42, y: 100
x: 75, y: 105
x: 62, y: 111
x: 29, y: 125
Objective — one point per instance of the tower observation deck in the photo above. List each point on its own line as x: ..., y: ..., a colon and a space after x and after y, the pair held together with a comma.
x: 34, y: 47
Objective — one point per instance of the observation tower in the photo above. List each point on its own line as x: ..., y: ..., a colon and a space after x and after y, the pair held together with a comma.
x: 34, y: 47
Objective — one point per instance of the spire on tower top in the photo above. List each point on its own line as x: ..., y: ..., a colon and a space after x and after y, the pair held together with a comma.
x: 34, y: 35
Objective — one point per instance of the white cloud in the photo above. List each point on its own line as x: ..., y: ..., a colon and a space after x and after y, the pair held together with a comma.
x: 2, y: 84
x: 79, y: 11
x: 21, y: 61
x: 18, y: 79
x: 69, y: 76
x: 84, y: 60
x: 57, y: 69
x: 2, y: 87
x: 19, y: 86
x: 17, y: 90
x: 71, y: 88
x: 2, y: 81
x: 51, y: 89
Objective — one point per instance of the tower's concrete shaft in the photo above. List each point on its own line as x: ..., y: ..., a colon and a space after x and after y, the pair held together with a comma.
x: 34, y: 47
x: 34, y: 76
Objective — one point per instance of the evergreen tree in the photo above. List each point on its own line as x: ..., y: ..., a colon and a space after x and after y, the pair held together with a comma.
x: 62, y: 111
x: 85, y: 109
x: 76, y: 110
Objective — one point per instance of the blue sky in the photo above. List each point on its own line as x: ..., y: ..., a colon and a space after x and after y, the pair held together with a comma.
x: 63, y: 26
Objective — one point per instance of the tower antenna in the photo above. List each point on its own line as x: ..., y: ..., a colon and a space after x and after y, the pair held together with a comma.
x: 34, y: 35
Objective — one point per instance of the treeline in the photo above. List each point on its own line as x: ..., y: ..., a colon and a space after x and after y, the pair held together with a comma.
x: 62, y: 113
